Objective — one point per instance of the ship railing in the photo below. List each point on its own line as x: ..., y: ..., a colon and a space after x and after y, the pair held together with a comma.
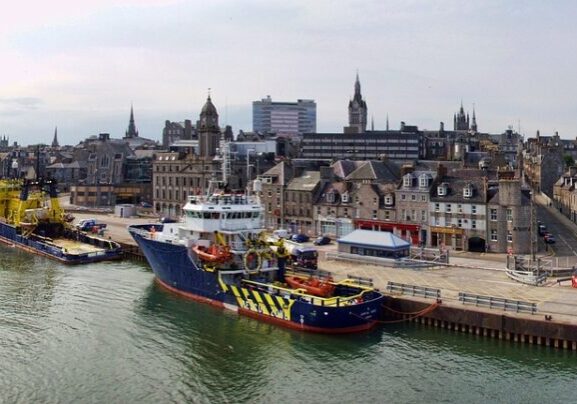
x: 222, y: 200
x: 141, y: 232
x: 249, y: 224
x: 336, y: 301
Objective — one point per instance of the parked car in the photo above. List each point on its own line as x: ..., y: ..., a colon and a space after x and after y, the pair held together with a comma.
x: 549, y: 238
x: 542, y: 229
x: 300, y: 238
x: 90, y: 225
x: 322, y: 240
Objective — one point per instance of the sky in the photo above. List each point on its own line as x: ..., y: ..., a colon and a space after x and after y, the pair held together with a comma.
x: 80, y: 65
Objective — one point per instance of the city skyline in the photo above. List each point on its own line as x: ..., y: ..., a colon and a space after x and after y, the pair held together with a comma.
x: 81, y: 66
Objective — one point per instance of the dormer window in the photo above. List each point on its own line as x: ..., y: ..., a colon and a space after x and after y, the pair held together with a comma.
x: 330, y: 197
x: 424, y: 181
x: 468, y: 191
x: 345, y: 197
x: 408, y: 180
x: 389, y: 200
x: 442, y: 190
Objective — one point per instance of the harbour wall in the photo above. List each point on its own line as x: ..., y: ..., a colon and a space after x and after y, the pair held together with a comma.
x: 514, y: 327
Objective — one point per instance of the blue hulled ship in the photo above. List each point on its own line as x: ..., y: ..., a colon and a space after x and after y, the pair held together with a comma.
x: 218, y: 254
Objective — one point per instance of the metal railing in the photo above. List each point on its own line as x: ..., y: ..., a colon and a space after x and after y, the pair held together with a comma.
x: 413, y: 290
x: 528, y: 277
x: 491, y: 302
x: 402, y: 263
x: 361, y: 280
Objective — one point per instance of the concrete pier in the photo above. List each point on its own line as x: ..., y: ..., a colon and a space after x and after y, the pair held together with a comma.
x: 481, y: 274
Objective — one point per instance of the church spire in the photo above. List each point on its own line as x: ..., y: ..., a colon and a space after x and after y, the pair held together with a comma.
x: 357, y: 111
x: 131, y: 132
x: 474, y: 121
x: 55, y: 140
x: 358, y: 95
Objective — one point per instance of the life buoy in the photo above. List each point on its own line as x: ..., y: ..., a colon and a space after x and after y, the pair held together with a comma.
x: 252, y: 260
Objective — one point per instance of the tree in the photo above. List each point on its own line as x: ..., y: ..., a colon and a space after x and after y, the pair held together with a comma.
x: 569, y: 160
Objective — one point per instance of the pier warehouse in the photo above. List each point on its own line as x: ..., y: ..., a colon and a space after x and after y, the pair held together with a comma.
x: 374, y: 243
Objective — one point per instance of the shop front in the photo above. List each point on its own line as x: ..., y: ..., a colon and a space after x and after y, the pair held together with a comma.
x: 409, y: 232
x: 448, y: 237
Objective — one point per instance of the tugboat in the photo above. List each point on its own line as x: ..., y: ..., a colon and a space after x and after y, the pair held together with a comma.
x: 32, y: 220
x: 219, y: 254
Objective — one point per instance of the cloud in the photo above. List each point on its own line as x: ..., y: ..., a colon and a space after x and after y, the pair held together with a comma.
x: 19, y: 105
x: 417, y: 60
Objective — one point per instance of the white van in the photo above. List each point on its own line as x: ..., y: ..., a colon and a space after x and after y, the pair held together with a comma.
x: 281, y: 233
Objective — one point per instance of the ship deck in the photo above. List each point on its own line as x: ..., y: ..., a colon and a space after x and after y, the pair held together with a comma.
x: 76, y: 247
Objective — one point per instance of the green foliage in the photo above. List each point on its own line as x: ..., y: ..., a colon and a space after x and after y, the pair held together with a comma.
x: 569, y: 160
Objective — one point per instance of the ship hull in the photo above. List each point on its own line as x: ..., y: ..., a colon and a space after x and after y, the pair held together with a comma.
x: 176, y: 271
x: 10, y: 237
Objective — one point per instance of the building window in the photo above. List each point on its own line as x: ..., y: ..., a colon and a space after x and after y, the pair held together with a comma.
x: 448, y: 208
x: 459, y: 222
x: 387, y: 215
x: 509, y: 236
x: 423, y: 181
x: 493, y: 214
x: 460, y: 208
x: 473, y: 224
x: 403, y: 197
x: 424, y: 198
x: 468, y: 191
x: 474, y: 209
x: 413, y: 197
x: 493, y: 235
x: 423, y: 215
x: 509, y: 214
x: 437, y: 207
x: 403, y: 214
x: 374, y: 214
x: 442, y: 190
x: 388, y: 200
x: 407, y: 180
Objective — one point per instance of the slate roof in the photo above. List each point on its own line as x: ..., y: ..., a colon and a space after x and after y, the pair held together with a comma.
x: 343, y: 168
x: 282, y: 170
x: 306, y: 182
x: 376, y: 171
x: 375, y: 239
x: 455, y: 186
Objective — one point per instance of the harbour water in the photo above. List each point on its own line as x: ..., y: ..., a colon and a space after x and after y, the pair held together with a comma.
x: 107, y: 333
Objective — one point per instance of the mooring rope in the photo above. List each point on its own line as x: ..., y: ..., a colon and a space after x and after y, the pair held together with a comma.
x: 419, y: 313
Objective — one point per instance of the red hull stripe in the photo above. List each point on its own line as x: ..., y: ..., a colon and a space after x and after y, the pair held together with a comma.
x: 270, y: 319
x: 191, y: 296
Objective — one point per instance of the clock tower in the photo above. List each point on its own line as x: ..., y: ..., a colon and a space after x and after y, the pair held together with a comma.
x: 208, y: 130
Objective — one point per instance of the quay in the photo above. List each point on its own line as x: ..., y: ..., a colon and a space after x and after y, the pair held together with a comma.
x: 553, y: 324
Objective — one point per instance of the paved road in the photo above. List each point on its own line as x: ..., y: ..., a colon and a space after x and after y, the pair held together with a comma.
x: 566, y: 244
